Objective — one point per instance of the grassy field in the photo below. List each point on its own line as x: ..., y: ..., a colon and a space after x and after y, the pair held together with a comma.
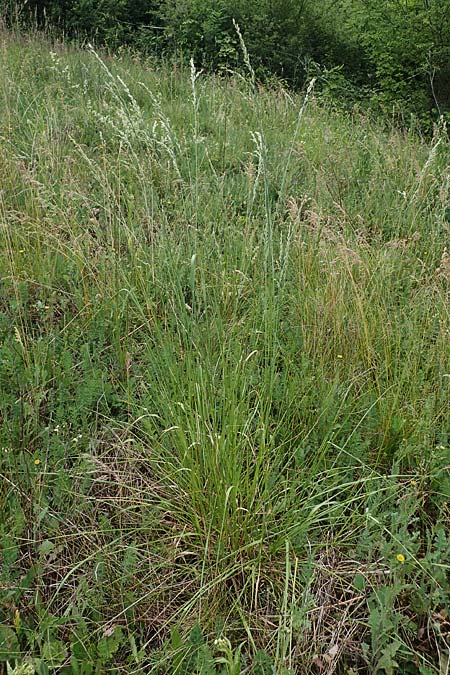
x: 224, y: 373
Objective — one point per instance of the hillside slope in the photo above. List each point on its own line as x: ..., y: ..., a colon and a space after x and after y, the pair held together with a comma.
x: 224, y: 372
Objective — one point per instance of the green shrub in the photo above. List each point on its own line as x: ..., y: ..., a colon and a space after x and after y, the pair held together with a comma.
x: 408, y: 47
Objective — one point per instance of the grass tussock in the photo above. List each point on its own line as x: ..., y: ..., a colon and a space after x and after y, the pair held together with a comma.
x: 224, y: 371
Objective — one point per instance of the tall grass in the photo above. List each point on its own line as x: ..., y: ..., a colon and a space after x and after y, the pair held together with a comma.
x: 224, y: 372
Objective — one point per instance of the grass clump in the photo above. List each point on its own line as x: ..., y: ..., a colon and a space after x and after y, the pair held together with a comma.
x: 224, y: 372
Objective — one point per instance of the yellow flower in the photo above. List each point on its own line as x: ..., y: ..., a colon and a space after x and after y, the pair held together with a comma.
x: 37, y: 462
x: 401, y: 558
x: 340, y: 356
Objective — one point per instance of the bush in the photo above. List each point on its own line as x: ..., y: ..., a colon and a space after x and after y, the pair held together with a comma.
x: 281, y: 36
x: 408, y: 47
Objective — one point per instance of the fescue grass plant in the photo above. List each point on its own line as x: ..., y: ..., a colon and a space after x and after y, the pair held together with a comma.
x: 224, y: 368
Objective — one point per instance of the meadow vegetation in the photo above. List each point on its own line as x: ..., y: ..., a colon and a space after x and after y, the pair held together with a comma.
x: 224, y: 374
x: 389, y: 55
